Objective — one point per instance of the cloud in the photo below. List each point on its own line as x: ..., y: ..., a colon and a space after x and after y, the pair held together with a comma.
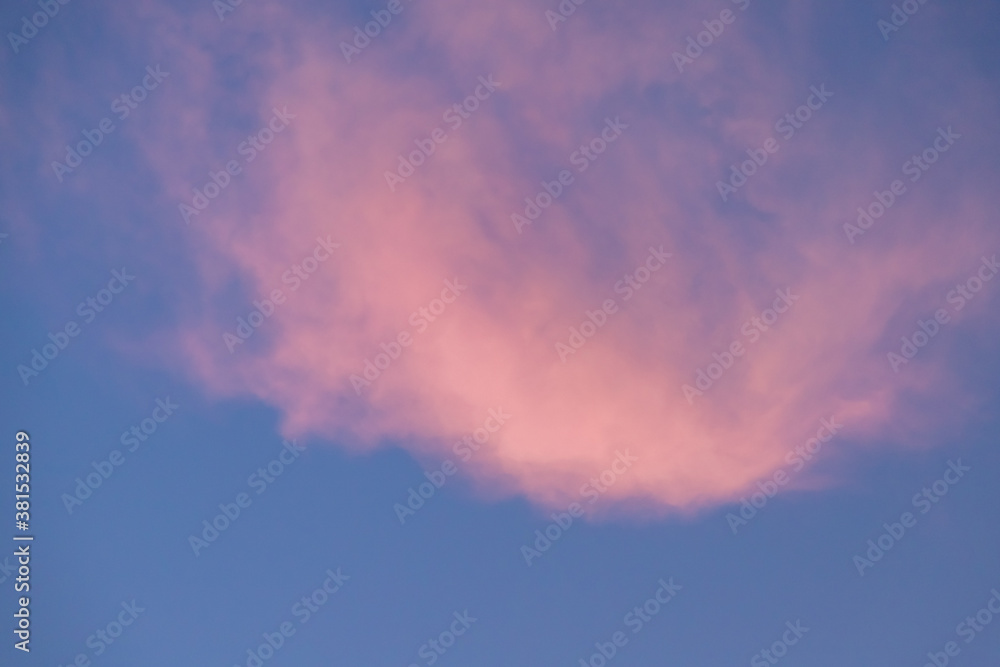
x: 653, y: 186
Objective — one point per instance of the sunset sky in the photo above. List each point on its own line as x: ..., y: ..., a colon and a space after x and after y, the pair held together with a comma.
x: 497, y: 326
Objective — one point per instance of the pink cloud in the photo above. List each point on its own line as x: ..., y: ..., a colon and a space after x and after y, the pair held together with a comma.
x: 495, y: 345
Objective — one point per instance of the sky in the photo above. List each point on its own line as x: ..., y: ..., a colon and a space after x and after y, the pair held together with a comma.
x: 523, y: 333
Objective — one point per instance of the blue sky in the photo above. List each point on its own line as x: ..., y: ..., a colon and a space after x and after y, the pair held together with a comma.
x: 451, y: 585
